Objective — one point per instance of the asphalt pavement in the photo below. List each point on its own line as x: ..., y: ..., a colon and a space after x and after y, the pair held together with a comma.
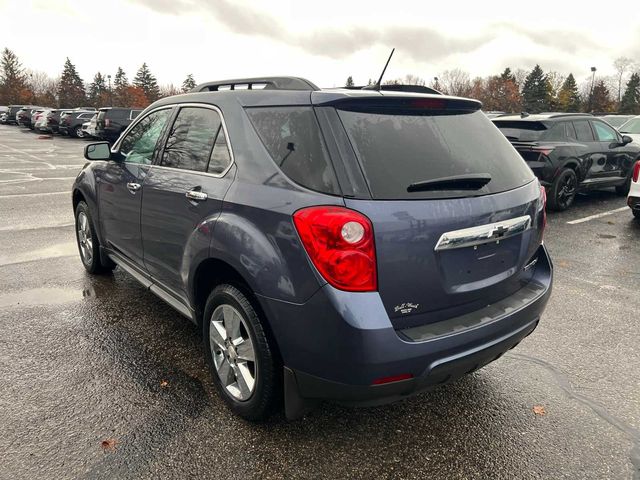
x: 101, y: 379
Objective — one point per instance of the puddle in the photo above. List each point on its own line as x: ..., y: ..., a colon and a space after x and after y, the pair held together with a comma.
x: 40, y: 296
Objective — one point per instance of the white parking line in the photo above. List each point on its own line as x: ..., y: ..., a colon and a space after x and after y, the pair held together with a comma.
x: 44, y: 194
x: 598, y: 215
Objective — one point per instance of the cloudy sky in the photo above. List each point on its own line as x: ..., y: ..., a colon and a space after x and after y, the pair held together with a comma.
x: 323, y: 41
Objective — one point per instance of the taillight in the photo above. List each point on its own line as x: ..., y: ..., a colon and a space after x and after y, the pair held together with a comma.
x: 636, y: 171
x: 542, y: 150
x: 340, y: 244
x: 543, y: 205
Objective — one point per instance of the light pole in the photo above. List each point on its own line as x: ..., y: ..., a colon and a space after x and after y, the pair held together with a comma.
x: 593, y: 78
x: 110, y: 98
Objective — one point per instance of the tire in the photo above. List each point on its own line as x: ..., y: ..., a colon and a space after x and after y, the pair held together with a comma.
x: 88, y: 244
x: 78, y: 133
x: 563, y: 190
x: 229, y: 315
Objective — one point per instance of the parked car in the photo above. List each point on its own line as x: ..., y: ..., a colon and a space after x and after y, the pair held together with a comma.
x: 616, y: 120
x: 41, y: 121
x: 35, y: 115
x: 571, y: 153
x: 89, y: 128
x: 112, y: 121
x: 331, y: 244
x: 13, y: 110
x: 632, y: 128
x: 71, y: 122
x: 633, y: 199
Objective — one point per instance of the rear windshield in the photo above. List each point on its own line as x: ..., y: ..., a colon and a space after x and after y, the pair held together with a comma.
x: 522, y: 131
x: 292, y: 137
x: 396, y: 151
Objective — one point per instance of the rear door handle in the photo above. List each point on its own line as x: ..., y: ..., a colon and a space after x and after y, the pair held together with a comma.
x: 133, y: 187
x: 196, y: 195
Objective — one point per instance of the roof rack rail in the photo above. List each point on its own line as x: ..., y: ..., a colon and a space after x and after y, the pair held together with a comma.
x: 400, y: 88
x: 262, y: 83
x: 565, y: 114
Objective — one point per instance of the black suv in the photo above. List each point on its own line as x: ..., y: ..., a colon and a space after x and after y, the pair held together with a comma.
x: 571, y: 153
x: 71, y: 122
x: 112, y: 121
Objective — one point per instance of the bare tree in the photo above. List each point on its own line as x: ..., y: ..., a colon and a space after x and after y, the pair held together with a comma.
x: 622, y: 66
x: 455, y: 82
x: 43, y: 88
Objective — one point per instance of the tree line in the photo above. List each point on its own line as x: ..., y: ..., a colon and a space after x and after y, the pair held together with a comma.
x: 20, y: 86
x: 538, y: 91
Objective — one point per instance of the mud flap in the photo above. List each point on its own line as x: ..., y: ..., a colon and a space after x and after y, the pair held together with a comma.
x: 295, y: 407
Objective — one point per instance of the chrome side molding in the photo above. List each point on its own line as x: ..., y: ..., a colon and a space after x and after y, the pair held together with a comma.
x: 492, y: 232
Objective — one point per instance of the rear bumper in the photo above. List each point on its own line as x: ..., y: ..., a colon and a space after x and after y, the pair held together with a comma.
x: 338, y: 356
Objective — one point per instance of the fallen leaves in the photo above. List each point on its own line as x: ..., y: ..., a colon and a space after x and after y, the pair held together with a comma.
x: 109, y: 444
x: 539, y: 410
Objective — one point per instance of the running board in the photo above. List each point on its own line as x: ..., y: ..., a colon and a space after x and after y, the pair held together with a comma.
x: 153, y: 286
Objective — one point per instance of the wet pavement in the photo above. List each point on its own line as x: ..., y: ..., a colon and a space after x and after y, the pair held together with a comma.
x: 101, y: 379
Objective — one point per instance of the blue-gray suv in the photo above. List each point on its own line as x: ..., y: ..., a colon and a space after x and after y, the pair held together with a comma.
x: 357, y: 246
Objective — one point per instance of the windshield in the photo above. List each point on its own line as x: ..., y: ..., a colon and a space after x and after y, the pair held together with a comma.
x: 396, y: 151
x: 632, y: 126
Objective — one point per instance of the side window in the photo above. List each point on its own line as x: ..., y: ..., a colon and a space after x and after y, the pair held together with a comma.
x: 191, y: 139
x: 556, y: 133
x: 220, y: 156
x: 292, y: 138
x: 139, y: 144
x: 583, y: 131
x: 604, y: 132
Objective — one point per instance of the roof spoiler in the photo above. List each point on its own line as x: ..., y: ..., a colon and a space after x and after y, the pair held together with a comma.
x: 261, y: 83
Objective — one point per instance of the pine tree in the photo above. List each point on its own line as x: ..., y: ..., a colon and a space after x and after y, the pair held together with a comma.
x: 630, y: 102
x: 568, y: 96
x: 601, y: 100
x: 145, y: 81
x: 349, y: 81
x: 71, y: 92
x: 536, y: 96
x: 120, y: 89
x: 188, y: 84
x: 507, y: 75
x: 98, y: 91
x: 13, y: 79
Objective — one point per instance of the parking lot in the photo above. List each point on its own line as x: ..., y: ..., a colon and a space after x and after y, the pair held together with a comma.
x: 100, y: 378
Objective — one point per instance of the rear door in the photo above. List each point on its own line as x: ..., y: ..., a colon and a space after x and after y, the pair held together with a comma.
x: 593, y: 155
x: 183, y: 194
x: 446, y: 251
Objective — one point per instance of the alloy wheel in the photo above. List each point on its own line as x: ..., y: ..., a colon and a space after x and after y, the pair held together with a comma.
x: 84, y: 238
x: 233, y: 353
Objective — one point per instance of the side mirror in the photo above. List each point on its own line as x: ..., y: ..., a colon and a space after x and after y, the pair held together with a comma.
x: 626, y: 139
x: 97, y: 151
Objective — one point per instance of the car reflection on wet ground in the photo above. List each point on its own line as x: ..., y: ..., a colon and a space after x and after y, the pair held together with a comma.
x: 102, y: 379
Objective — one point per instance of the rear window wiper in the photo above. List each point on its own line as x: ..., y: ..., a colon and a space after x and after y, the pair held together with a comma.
x: 472, y: 181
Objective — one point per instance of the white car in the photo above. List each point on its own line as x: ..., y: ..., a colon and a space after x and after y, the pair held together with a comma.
x: 631, y: 128
x: 633, y: 200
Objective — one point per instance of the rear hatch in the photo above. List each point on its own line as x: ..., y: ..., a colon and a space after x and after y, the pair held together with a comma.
x: 448, y: 241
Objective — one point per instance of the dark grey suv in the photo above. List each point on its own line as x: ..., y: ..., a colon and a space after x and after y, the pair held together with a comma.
x: 357, y: 246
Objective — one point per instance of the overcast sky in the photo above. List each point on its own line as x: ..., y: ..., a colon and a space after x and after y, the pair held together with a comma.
x: 324, y: 41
